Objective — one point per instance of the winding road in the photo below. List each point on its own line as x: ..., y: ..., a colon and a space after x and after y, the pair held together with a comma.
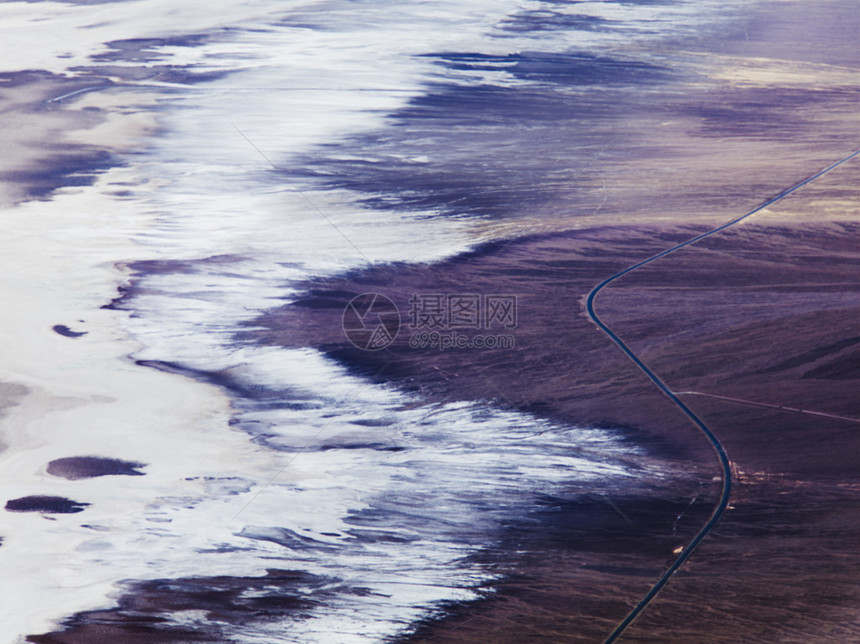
x: 720, y: 451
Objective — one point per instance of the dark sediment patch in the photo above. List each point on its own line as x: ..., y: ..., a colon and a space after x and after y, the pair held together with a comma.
x: 574, y: 68
x: 70, y: 165
x: 146, y: 610
x: 145, y: 57
x: 85, y: 467
x: 497, y: 150
x: 523, y: 135
x: 544, y: 19
x: 144, y: 50
x: 62, y: 329
x: 46, y: 504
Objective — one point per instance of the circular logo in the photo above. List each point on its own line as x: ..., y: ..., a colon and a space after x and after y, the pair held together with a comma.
x: 371, y: 321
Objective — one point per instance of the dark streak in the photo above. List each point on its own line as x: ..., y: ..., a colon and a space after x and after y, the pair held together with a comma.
x: 47, y: 504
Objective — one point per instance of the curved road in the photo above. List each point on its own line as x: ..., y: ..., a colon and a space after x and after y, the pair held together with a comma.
x: 723, y: 458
